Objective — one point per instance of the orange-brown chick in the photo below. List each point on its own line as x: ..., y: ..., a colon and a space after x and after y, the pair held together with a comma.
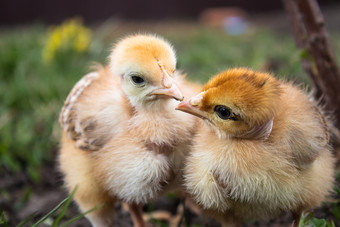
x: 122, y: 138
x: 263, y: 149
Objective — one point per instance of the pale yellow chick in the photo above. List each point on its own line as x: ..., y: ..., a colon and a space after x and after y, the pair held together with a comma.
x: 122, y: 138
x: 262, y: 150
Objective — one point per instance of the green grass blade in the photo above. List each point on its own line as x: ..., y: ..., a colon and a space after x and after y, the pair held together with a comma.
x: 65, y: 207
x: 80, y: 216
x: 51, y: 212
x: 26, y: 220
x: 3, y: 219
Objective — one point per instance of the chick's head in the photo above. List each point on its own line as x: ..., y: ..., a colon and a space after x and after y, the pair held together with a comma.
x: 146, y: 65
x: 237, y: 103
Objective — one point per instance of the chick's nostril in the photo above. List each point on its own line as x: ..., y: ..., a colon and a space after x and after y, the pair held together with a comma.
x: 195, y: 101
x: 166, y: 81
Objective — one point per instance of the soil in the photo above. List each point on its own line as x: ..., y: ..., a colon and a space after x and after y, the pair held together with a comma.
x: 21, y: 202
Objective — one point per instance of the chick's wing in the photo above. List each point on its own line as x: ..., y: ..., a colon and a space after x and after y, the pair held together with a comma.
x: 93, y: 110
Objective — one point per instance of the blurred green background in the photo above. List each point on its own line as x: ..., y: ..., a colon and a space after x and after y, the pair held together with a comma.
x: 39, y: 64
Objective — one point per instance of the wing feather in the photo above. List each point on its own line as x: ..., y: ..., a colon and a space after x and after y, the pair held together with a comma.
x: 93, y: 110
x: 68, y: 115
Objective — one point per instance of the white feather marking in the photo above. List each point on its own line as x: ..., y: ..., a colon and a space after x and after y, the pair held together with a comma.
x: 76, y: 91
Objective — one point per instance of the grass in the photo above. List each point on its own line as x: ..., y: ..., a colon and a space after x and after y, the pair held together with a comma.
x: 53, y: 217
x: 32, y: 91
x: 204, y: 54
x: 307, y: 220
x: 32, y: 94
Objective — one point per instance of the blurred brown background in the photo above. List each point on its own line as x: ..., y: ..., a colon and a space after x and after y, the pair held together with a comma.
x: 23, y: 12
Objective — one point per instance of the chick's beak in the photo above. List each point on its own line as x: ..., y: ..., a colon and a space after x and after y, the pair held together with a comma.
x: 191, y: 106
x: 169, y: 87
x: 172, y: 92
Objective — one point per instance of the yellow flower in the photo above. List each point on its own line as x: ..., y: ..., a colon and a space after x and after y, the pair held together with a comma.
x: 82, y: 41
x: 71, y: 35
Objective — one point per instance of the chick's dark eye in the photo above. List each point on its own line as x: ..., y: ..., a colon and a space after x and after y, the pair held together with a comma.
x: 137, y: 80
x: 223, y: 112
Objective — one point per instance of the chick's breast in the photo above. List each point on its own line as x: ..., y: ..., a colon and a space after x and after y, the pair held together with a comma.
x: 241, y: 178
x: 145, y: 161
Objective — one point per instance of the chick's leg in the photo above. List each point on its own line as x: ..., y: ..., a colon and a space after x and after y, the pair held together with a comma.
x: 296, y: 218
x: 228, y: 220
x: 230, y: 223
x: 136, y: 215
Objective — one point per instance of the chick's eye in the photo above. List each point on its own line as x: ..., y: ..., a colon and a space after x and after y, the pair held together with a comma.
x: 223, y: 112
x: 137, y: 80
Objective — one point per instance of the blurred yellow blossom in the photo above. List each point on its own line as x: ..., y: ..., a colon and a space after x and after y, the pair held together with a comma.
x: 71, y: 35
